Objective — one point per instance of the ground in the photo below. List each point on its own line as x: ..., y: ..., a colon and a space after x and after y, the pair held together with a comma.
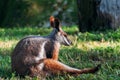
x: 88, y: 50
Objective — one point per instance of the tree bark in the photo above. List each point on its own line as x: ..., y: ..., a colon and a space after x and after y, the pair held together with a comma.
x: 98, y: 14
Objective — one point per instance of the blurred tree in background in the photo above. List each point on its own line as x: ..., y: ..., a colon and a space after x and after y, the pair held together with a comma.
x: 36, y: 12
x: 98, y: 15
x: 12, y: 12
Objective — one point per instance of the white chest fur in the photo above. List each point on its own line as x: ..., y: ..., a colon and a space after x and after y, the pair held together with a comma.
x: 41, y: 55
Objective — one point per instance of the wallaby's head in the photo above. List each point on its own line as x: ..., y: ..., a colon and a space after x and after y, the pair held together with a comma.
x: 60, y: 35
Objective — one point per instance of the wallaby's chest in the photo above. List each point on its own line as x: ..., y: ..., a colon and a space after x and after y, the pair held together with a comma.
x: 44, y: 49
x: 48, y: 48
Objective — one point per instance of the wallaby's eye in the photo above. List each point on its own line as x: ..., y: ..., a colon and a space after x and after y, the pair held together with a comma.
x: 65, y: 35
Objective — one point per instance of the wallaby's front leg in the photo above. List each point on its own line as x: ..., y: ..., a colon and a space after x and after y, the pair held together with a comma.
x: 55, y: 53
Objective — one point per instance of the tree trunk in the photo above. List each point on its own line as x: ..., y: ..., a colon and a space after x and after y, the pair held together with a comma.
x: 98, y: 14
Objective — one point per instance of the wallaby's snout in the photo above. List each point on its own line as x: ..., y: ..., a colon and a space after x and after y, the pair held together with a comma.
x: 66, y: 41
x: 70, y: 42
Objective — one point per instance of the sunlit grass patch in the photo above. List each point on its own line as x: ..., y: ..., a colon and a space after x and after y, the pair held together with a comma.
x: 88, y: 45
x: 7, y: 44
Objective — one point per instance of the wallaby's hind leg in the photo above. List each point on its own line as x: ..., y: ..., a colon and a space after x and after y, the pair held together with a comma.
x: 55, y: 67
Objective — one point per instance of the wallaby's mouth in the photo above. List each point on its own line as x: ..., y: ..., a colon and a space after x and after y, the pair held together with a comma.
x: 69, y: 43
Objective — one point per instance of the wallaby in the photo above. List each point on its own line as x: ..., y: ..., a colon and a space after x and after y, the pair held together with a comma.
x: 36, y: 55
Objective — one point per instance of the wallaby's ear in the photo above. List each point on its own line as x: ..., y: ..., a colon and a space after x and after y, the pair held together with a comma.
x: 55, y: 23
x: 52, y: 21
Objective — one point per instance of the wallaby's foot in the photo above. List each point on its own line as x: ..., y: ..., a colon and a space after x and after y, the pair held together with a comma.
x: 96, y: 68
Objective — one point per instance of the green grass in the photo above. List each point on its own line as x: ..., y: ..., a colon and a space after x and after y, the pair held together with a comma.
x: 89, y: 49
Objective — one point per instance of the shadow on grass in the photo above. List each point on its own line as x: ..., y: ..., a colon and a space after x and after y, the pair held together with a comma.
x: 109, y: 35
x: 18, y: 33
x: 105, y: 53
x: 5, y: 66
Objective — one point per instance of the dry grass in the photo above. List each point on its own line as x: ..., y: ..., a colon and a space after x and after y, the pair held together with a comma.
x: 88, y: 45
x: 7, y: 44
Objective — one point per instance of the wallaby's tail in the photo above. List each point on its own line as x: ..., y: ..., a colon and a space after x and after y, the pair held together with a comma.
x: 56, y: 67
